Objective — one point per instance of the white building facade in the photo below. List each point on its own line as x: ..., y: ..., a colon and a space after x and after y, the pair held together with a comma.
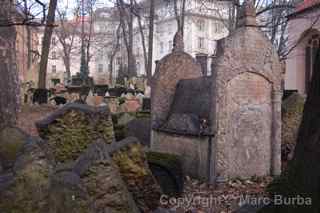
x: 204, y: 25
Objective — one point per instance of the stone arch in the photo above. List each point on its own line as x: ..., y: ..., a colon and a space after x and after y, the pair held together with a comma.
x: 248, y: 125
x: 243, y: 71
x: 312, y: 46
x: 306, y: 49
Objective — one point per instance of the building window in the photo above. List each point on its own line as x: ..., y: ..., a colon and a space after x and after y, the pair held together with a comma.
x: 201, y: 25
x: 170, y: 29
x: 217, y: 27
x: 161, y: 47
x: 100, y: 68
x: 201, y: 43
x: 138, y: 67
x: 118, y: 61
x: 312, y: 48
x: 54, y: 69
x: 53, y: 41
x: 54, y: 55
x: 170, y: 45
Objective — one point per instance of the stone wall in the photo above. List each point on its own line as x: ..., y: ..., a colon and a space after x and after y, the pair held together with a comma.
x: 193, y: 151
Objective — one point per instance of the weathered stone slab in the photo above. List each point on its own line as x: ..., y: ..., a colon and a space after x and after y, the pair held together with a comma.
x: 11, y: 142
x: 69, y: 130
x: 167, y: 169
x: 67, y: 194
x: 131, y: 160
x: 101, y: 179
x: 292, y: 111
x: 192, y: 150
x: 29, y: 188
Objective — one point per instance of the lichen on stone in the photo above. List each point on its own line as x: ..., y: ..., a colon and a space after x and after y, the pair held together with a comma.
x: 11, y: 142
x: 29, y: 191
x: 134, y: 169
x: 71, y: 133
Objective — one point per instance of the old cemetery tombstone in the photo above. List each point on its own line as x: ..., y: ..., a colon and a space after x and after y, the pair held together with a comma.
x: 77, y: 94
x: 228, y: 124
x: 72, y: 130
x: 174, y: 67
x: 69, y: 130
x: 76, y: 167
x: 101, y: 90
x: 247, y: 93
x: 146, y: 104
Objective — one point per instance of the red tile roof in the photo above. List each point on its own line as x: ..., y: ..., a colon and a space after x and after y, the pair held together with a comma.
x: 306, y: 4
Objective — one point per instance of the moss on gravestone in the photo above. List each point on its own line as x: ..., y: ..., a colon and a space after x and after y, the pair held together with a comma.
x: 135, y: 171
x: 292, y: 110
x: 29, y: 189
x: 101, y: 179
x: 167, y: 169
x: 11, y: 141
x: 69, y: 132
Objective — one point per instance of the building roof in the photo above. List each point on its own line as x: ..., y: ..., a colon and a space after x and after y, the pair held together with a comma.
x: 305, y: 6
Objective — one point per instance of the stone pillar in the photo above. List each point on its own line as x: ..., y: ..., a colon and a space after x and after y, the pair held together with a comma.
x: 202, y: 59
x: 276, y: 133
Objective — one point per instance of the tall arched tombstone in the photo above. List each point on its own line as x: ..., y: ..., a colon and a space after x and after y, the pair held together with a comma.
x: 247, y: 102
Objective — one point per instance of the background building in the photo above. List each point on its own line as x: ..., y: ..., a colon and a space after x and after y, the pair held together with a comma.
x: 304, y: 42
x: 204, y: 25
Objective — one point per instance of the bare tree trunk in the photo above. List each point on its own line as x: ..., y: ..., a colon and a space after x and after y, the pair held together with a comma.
x: 89, y: 40
x: 145, y: 56
x: 150, y: 45
x: 113, y: 54
x: 180, y: 15
x: 66, y: 37
x: 29, y: 48
x: 9, y: 85
x: 131, y: 59
x: 176, y: 12
x: 126, y: 21
x: 66, y: 61
x: 46, y: 44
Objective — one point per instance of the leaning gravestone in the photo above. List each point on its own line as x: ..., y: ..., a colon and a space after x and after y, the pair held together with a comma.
x: 27, y: 189
x: 131, y: 160
x: 11, y: 142
x: 292, y: 111
x: 93, y: 185
x: 79, y: 168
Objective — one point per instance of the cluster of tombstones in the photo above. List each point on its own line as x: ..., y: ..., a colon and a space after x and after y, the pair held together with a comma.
x: 123, y: 99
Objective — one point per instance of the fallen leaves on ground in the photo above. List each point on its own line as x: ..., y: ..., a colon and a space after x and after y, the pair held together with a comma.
x: 199, y: 197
